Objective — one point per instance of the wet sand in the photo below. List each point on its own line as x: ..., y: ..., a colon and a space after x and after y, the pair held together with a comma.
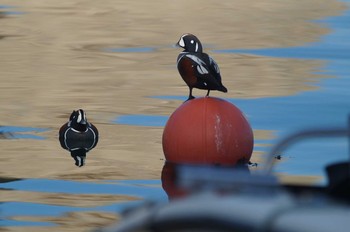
x: 53, y: 60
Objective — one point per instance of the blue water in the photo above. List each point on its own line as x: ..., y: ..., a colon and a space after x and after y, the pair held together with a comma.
x: 130, y: 49
x: 18, y: 132
x: 141, y: 120
x: 7, y: 10
x: 327, y: 106
x: 2, y: 7
x: 13, y: 12
x: 143, y: 189
x: 130, y: 188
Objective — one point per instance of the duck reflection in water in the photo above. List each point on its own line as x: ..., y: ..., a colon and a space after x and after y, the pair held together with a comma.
x: 78, y: 136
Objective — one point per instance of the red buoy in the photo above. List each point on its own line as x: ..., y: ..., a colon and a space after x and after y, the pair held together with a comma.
x: 207, y: 131
x: 169, y: 178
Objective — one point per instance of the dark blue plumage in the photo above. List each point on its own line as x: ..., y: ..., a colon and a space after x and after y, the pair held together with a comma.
x: 197, y: 68
x: 78, y: 136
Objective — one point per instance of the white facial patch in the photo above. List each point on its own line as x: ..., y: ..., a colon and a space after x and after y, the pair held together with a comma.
x: 79, y: 118
x: 182, y: 42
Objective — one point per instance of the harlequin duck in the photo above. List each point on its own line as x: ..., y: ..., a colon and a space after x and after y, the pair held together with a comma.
x: 197, y: 68
x: 78, y: 136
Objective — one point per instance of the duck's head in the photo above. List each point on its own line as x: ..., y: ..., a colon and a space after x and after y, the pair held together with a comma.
x: 190, y: 43
x: 78, y: 120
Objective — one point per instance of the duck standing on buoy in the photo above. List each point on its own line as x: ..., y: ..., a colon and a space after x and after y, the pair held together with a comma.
x: 78, y: 136
x: 197, y: 68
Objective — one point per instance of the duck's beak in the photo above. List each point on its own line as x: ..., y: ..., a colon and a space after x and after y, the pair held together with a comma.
x: 177, y: 45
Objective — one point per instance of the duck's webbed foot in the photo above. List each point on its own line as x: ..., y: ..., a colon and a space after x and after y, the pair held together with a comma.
x: 190, y: 96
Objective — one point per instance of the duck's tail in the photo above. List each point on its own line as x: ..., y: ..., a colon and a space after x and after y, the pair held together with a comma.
x: 223, y: 89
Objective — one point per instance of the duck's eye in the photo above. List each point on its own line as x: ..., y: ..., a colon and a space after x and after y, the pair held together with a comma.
x: 192, y: 41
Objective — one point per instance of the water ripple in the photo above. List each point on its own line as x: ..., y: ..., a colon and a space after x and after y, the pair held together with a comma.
x: 17, y: 132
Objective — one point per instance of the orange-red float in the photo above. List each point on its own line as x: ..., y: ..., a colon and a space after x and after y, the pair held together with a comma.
x: 169, y: 179
x: 207, y: 131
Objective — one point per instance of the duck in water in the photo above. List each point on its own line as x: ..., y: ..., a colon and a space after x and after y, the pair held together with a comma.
x: 78, y: 136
